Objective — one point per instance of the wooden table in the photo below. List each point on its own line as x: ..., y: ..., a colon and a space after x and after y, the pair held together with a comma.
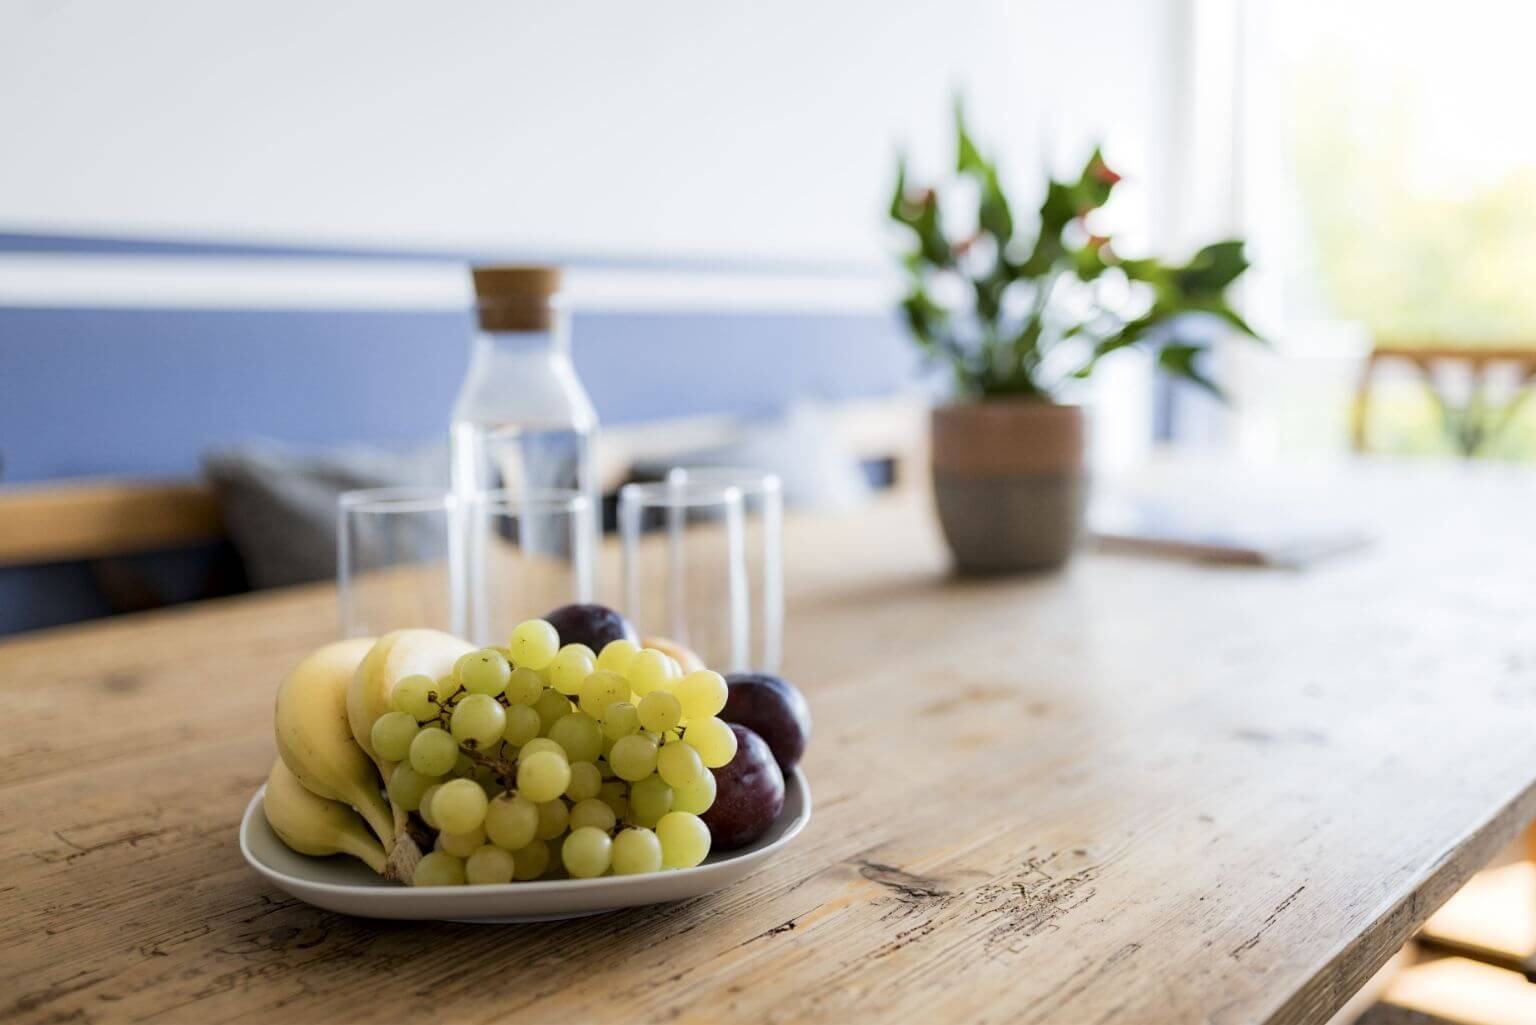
x: 1138, y: 791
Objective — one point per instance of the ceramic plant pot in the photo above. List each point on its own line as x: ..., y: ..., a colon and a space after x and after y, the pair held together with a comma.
x: 1011, y: 483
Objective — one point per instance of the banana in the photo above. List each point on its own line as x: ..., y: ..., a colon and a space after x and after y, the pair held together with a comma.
x: 311, y: 824
x: 314, y: 737
x: 686, y: 656
x: 397, y: 655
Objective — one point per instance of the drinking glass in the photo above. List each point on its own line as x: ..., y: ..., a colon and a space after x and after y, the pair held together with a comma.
x: 762, y: 497
x: 684, y: 567
x: 401, y: 559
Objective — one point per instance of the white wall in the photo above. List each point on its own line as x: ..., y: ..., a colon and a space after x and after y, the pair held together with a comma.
x: 690, y: 127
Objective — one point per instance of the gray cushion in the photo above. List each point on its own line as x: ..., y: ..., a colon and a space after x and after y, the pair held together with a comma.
x: 279, y: 502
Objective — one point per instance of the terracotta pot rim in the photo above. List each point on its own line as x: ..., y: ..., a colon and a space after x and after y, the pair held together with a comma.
x: 1009, y: 400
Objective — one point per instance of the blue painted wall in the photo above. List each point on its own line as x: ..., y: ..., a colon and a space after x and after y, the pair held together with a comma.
x: 146, y: 391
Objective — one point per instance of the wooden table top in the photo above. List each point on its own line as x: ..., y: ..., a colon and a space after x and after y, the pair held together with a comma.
x: 1137, y: 791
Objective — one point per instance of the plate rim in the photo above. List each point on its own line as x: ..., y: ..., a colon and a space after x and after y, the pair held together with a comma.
x: 532, y: 887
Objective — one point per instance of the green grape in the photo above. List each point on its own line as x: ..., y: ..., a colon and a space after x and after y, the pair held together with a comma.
x: 649, y: 800
x: 585, y: 782
x: 522, y: 725
x: 615, y: 794
x: 594, y: 813
x: 534, y: 644
x: 702, y: 694
x: 483, y: 672
x: 414, y: 696
x: 489, y: 865
x: 680, y: 765
x: 684, y: 839
x: 636, y: 850
x: 530, y: 862
x: 478, y: 721
x: 587, y: 853
x: 649, y: 670
x: 392, y: 734
x: 461, y: 845
x: 438, y: 869
x: 600, y: 690
x: 660, y: 711
x: 620, y: 719
x: 579, y: 735
x: 463, y: 766
x: 459, y: 806
x: 538, y: 744
x: 424, y: 806
x: 633, y: 758
x: 573, y: 664
x: 492, y: 787
x: 433, y: 751
x: 551, y: 706
x: 615, y: 656
x: 406, y: 787
x: 448, y: 688
x: 697, y: 796
x: 543, y: 776
x: 603, y: 768
x: 524, y: 687
x: 713, y: 739
x: 554, y: 816
x: 511, y: 821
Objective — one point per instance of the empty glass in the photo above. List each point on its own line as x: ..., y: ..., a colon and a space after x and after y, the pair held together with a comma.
x: 762, y: 497
x: 400, y: 560
x: 685, y: 569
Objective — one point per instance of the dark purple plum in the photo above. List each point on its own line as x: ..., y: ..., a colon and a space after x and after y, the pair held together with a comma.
x: 590, y: 624
x: 749, y: 793
x: 775, y: 710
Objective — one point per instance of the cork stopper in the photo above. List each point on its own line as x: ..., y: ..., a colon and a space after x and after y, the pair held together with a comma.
x: 515, y: 298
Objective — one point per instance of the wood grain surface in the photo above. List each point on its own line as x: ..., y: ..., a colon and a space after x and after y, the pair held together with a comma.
x: 1137, y: 791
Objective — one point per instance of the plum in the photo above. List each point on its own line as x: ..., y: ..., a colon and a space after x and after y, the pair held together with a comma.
x: 775, y: 710
x: 590, y: 624
x: 749, y: 793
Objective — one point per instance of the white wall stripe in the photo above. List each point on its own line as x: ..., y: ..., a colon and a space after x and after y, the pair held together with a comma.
x: 134, y: 281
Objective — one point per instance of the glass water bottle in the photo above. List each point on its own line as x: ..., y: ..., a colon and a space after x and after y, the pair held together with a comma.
x: 522, y: 424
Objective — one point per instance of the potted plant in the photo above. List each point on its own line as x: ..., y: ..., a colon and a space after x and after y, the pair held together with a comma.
x: 1017, y: 320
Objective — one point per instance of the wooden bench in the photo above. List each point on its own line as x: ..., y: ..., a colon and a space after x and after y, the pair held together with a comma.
x: 97, y: 518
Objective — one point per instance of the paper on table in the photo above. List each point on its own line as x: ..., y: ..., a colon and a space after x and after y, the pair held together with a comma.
x: 1220, y: 536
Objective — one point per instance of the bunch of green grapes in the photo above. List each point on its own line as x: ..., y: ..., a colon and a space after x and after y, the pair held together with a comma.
x: 539, y: 760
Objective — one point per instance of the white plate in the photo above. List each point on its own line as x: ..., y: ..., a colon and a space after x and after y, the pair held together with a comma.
x: 346, y: 885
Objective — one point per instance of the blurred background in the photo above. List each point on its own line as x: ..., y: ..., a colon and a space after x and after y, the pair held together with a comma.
x: 234, y: 237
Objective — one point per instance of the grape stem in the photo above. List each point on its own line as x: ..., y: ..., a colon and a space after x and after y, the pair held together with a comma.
x: 500, y: 766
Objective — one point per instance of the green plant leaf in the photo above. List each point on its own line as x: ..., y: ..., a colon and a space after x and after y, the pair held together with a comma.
x: 1095, y: 183
x: 1180, y: 360
x: 925, y: 318
x: 1212, y: 269
x: 994, y: 215
x: 930, y: 233
x: 968, y: 159
x: 899, y: 195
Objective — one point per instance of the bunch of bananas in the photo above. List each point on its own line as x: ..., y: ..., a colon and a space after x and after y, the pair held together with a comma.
x: 326, y: 792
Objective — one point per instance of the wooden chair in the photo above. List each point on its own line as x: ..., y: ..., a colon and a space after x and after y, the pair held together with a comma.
x: 1471, y: 425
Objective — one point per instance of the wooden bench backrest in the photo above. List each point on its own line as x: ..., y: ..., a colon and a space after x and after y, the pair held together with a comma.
x: 101, y: 517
